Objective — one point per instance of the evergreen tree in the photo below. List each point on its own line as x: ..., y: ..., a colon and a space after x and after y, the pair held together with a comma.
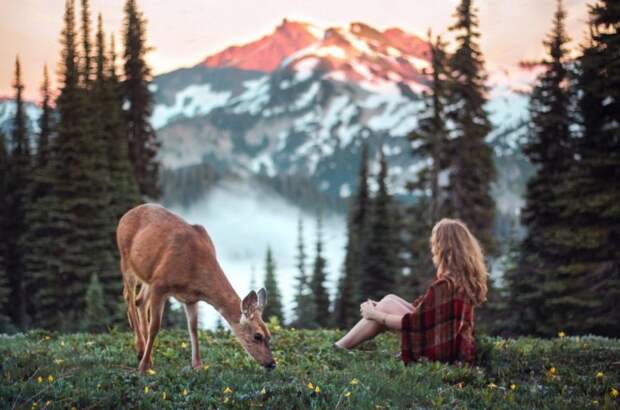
x: 18, y: 181
x: 143, y: 144
x: 4, y: 280
x: 346, y: 310
x: 588, y: 272
x: 87, y: 58
x: 303, y: 301
x: 471, y: 169
x: 96, y: 316
x: 548, y: 148
x: 380, y: 263
x: 37, y: 236
x: 82, y: 184
x: 320, y: 297
x: 274, y: 306
x: 430, y: 145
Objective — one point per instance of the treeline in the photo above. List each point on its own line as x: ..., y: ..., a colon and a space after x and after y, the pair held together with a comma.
x: 564, y: 275
x: 64, y: 189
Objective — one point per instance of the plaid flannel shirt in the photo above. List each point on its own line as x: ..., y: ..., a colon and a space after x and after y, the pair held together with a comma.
x: 440, y: 326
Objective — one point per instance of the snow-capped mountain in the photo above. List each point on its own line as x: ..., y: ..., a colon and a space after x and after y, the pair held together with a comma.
x: 301, y: 100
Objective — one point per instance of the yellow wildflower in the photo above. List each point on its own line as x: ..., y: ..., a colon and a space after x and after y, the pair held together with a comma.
x: 164, y: 396
x: 146, y: 389
x: 47, y: 403
x: 513, y: 387
x: 317, y: 389
x: 600, y: 375
x: 561, y: 334
x: 492, y: 385
x: 614, y: 392
x: 58, y: 361
x: 151, y: 372
x: 310, y: 386
x: 226, y: 399
x: 594, y: 401
x: 551, y: 372
x: 183, y: 345
x: 263, y: 392
x: 34, y: 405
x: 50, y: 378
x: 354, y: 382
x: 47, y: 338
x: 347, y: 394
x: 39, y: 379
x: 205, y: 367
x: 227, y: 390
x: 184, y: 392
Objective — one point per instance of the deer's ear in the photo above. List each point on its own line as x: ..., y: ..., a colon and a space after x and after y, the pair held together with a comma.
x: 262, y: 298
x: 249, y: 304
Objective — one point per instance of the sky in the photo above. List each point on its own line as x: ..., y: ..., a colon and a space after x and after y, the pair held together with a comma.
x: 184, y: 32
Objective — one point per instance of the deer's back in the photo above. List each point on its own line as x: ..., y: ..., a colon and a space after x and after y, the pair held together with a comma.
x: 152, y: 239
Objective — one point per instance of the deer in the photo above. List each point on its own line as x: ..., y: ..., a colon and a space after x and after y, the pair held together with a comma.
x: 167, y: 257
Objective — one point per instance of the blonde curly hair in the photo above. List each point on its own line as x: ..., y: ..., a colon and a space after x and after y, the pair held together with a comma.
x: 457, y: 255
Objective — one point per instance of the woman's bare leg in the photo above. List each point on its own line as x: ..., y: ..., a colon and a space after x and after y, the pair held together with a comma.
x: 401, y: 301
x: 368, y: 329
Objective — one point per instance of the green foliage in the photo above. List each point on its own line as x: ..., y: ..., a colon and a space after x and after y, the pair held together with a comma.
x: 18, y: 179
x: 303, y: 297
x: 274, y: 299
x: 4, y: 280
x: 85, y: 370
x: 541, y: 284
x: 471, y: 164
x: 349, y: 295
x: 96, y: 316
x: 320, y: 296
x: 380, y: 264
x: 143, y: 144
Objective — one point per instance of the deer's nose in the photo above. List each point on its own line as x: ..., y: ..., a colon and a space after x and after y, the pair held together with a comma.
x: 271, y: 365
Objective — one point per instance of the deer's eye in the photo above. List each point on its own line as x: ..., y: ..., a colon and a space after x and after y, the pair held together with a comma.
x: 258, y: 337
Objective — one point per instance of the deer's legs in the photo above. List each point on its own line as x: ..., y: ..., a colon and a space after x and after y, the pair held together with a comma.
x: 156, y: 302
x: 191, y: 312
x: 142, y: 302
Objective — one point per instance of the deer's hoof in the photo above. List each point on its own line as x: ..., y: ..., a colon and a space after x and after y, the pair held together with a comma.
x: 197, y: 365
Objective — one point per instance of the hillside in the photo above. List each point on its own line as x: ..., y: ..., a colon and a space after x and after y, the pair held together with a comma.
x: 48, y: 370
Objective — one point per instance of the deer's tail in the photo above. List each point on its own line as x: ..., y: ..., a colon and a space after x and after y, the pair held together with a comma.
x: 129, y: 294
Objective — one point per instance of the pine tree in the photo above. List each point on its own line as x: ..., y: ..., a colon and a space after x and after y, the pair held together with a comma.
x: 40, y: 200
x: 349, y: 296
x: 274, y: 305
x: 380, y: 263
x: 588, y: 256
x: 430, y: 145
x: 320, y: 297
x: 96, y: 316
x: 303, y: 303
x: 18, y: 182
x: 548, y: 148
x: 143, y: 144
x: 87, y: 58
x: 82, y: 183
x: 4, y: 280
x: 471, y: 169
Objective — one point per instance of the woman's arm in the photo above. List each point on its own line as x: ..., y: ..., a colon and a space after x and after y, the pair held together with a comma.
x: 391, y: 321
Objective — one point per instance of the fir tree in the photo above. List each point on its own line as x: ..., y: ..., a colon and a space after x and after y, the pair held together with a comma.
x: 87, y: 58
x: 548, y: 148
x: 143, y: 144
x: 320, y: 297
x: 471, y: 167
x: 18, y: 182
x: 303, y: 302
x: 37, y: 236
x: 380, y: 262
x: 274, y: 306
x: 348, y: 298
x: 588, y: 255
x: 4, y: 281
x: 96, y: 316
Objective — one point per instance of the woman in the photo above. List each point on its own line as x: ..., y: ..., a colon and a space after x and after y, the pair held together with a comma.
x: 440, y: 324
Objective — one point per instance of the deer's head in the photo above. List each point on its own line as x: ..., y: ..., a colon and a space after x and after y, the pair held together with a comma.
x: 252, y: 331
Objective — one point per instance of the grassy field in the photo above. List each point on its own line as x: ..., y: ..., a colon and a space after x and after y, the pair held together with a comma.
x: 47, y: 370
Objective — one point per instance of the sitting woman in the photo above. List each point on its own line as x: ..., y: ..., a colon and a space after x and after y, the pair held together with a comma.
x: 440, y: 324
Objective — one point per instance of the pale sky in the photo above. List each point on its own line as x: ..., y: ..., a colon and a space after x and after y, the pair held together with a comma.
x: 184, y: 32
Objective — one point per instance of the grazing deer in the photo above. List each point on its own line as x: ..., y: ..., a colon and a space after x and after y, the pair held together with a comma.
x: 169, y: 257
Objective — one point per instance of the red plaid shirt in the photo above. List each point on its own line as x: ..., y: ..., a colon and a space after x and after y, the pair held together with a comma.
x: 440, y: 326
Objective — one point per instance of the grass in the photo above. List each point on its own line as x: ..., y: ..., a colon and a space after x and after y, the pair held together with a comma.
x: 47, y: 370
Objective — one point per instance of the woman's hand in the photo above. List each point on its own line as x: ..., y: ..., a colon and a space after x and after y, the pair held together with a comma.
x: 368, y: 310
